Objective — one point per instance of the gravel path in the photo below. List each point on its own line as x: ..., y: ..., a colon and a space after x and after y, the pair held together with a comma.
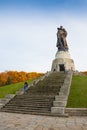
x: 12, y: 121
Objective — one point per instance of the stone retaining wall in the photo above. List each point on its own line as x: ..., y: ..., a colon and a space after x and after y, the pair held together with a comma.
x: 61, y: 100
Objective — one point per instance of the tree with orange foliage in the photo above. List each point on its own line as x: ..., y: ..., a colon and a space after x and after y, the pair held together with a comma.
x: 85, y: 72
x: 10, y: 77
x: 3, y: 78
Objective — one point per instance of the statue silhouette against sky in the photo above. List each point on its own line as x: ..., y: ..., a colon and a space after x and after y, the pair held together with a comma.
x: 61, y: 39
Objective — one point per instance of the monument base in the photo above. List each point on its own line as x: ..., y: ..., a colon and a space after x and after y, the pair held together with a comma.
x: 62, y: 62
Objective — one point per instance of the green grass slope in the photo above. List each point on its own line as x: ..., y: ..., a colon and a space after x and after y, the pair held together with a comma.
x: 11, y: 89
x: 78, y: 92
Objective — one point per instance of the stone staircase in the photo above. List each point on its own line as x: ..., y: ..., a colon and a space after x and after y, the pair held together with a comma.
x: 39, y: 97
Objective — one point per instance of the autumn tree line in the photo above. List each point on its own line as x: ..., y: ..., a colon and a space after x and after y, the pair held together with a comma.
x: 85, y: 72
x: 11, y: 77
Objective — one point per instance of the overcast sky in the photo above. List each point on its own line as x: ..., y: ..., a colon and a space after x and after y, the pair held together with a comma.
x: 28, y: 33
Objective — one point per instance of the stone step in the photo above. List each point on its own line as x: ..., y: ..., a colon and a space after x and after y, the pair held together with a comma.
x: 46, y: 86
x: 40, y: 113
x: 31, y: 104
x: 59, y: 103
x: 55, y: 80
x: 25, y: 95
x: 34, y: 99
x: 60, y: 98
x: 37, y: 97
x: 46, y: 93
x: 58, y: 110
x: 55, y: 77
x: 32, y: 95
x: 31, y: 101
x: 49, y: 80
x: 48, y: 89
x: 27, y: 110
x: 28, y: 107
x: 51, y: 86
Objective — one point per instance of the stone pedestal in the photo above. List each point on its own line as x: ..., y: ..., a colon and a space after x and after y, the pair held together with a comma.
x: 62, y: 62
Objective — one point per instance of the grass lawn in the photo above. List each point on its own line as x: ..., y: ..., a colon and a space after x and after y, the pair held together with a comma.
x: 11, y: 89
x: 78, y: 92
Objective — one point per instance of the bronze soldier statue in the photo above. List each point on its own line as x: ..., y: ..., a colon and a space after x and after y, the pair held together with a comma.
x: 61, y: 39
